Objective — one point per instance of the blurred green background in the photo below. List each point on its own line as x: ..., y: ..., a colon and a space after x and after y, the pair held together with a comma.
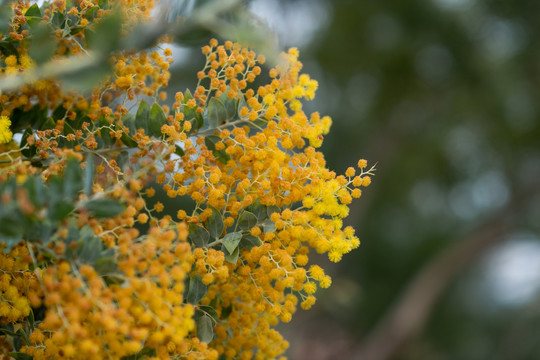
x: 442, y: 95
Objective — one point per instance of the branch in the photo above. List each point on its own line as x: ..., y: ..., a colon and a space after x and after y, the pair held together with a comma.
x: 408, y: 315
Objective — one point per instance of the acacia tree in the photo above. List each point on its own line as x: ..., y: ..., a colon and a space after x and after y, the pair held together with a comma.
x: 88, y: 267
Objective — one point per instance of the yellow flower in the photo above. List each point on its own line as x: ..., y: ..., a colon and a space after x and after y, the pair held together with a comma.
x: 5, y: 134
x: 124, y: 82
x: 11, y: 60
x: 362, y: 163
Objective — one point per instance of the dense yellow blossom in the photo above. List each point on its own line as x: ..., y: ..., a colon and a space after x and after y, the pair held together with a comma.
x: 157, y: 278
x: 5, y: 132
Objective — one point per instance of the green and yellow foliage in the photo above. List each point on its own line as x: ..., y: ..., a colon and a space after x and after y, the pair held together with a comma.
x: 92, y: 265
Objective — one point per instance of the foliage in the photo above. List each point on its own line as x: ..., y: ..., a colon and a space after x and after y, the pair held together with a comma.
x: 89, y: 267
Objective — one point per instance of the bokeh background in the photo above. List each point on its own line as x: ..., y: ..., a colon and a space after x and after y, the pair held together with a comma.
x: 443, y: 96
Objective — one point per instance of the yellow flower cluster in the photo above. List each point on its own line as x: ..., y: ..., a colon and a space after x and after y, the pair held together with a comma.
x: 5, y: 132
x: 264, y: 285
x: 16, y: 282
x: 212, y: 282
x: 94, y: 317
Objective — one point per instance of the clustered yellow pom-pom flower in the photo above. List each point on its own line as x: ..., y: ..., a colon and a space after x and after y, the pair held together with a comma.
x: 16, y: 282
x: 225, y: 197
x: 5, y: 133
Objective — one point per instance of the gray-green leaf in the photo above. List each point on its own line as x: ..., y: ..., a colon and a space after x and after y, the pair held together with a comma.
x: 231, y: 241
x: 247, y: 220
x: 215, y: 223
x: 216, y: 113
x: 196, y: 290
x: 232, y: 257
x: 104, y: 207
x: 205, y: 329
x: 198, y: 235
x: 156, y: 121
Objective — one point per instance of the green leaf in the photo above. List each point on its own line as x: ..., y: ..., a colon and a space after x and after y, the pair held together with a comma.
x: 48, y: 124
x: 191, y: 115
x: 215, y: 113
x: 142, y: 117
x: 231, y: 106
x: 58, y: 20
x: 105, y: 266
x: 106, y: 37
x: 258, y: 210
x: 33, y: 21
x: 22, y: 119
x: 225, y: 312
x: 196, y: 291
x: 31, y: 319
x: 156, y: 121
x: 91, y: 13
x: 33, y: 11
x: 129, y: 122
x: 104, y: 207
x: 198, y: 235
x: 24, y: 335
x: 90, y: 251
x: 60, y: 210
x: 272, y: 209
x: 247, y: 220
x: 8, y: 48
x: 187, y: 95
x: 205, y: 329
x: 35, y: 190
x: 179, y: 151
x: 41, y: 231
x: 143, y: 36
x: 90, y: 36
x: 210, y: 141
x: 104, y: 131
x: 269, y: 226
x: 6, y: 13
x: 215, y: 223
x: 249, y: 241
x: 59, y: 112
x: 72, y: 31
x: 192, y: 36
x: 43, y: 43
x: 104, y: 4
x: 31, y: 151
x: 241, y: 104
x: 231, y: 241
x: 87, y: 76
x: 72, y: 179
x: 88, y: 175
x: 206, y: 309
x: 12, y: 221
x: 123, y: 160
x: 232, y: 257
x: 72, y: 20
x: 68, y: 129
x: 8, y: 332
x: 66, y: 32
x: 126, y: 139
